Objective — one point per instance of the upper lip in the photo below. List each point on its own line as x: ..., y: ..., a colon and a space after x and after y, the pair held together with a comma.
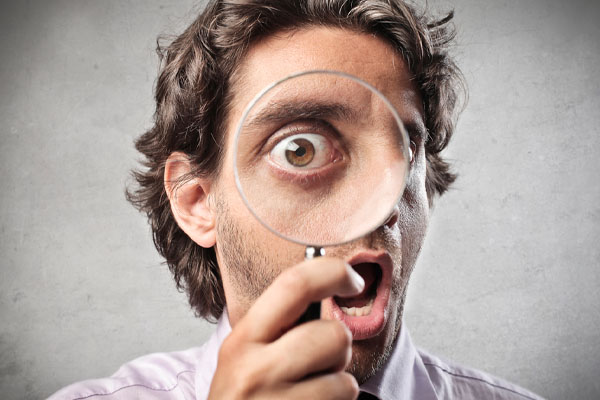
x: 383, y: 258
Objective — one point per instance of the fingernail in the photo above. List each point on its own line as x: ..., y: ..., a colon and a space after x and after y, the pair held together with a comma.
x: 357, y: 281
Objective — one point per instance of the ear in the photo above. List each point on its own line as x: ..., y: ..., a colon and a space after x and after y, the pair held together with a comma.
x: 189, y: 200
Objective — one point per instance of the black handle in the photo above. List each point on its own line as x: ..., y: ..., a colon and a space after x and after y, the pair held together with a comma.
x: 312, y: 312
x: 314, y: 309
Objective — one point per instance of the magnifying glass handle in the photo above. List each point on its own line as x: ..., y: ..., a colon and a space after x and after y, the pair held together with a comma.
x: 314, y: 309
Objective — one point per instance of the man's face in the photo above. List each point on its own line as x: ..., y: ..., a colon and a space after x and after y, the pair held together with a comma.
x: 250, y: 257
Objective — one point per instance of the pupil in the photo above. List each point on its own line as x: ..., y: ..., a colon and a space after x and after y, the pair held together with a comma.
x: 300, y: 151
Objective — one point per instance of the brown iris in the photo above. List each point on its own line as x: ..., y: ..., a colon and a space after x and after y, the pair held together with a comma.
x: 300, y: 152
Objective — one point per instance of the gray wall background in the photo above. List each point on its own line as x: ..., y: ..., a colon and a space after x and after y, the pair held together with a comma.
x: 507, y: 282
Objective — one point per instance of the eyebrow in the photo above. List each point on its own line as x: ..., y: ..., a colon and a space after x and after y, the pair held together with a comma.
x: 278, y: 112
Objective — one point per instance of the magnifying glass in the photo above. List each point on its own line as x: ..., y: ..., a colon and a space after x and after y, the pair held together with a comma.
x: 321, y: 159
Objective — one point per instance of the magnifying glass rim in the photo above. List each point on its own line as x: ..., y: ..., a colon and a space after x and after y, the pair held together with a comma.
x: 250, y: 106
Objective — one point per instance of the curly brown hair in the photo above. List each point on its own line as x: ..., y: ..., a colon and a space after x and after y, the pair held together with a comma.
x: 192, y: 94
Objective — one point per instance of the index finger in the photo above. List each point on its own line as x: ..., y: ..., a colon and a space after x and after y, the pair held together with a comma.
x: 280, y: 306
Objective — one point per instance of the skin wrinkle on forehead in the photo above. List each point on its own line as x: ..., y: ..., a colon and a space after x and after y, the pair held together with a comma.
x: 409, y: 95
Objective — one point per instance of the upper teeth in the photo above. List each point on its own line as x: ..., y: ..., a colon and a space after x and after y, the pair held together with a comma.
x: 358, y: 311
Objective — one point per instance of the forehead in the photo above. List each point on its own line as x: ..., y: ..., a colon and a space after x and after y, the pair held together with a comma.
x: 363, y: 55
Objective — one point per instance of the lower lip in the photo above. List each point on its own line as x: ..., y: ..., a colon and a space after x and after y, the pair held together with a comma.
x: 366, y: 326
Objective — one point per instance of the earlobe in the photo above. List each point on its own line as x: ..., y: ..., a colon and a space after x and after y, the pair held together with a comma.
x: 189, y: 197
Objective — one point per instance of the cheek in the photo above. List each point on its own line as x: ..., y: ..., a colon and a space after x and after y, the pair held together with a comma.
x: 254, y: 240
x: 414, y: 214
x: 415, y: 192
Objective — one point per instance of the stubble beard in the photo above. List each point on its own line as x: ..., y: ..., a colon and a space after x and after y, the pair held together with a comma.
x: 246, y: 263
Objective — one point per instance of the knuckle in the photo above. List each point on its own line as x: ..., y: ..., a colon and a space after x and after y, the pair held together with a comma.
x: 249, y: 372
x: 228, y: 348
x: 348, y: 385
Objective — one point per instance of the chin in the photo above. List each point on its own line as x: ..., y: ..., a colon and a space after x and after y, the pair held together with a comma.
x: 368, y: 356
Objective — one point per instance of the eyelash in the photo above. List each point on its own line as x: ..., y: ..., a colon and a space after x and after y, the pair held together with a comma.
x: 307, y: 126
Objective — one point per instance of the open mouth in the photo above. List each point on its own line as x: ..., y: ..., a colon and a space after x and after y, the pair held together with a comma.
x: 362, y: 304
x: 365, y: 314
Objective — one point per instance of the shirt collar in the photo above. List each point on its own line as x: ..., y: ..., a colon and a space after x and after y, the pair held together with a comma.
x: 207, y: 364
x: 403, y: 376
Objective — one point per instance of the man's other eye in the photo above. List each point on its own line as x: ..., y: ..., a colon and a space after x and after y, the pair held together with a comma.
x: 302, y: 151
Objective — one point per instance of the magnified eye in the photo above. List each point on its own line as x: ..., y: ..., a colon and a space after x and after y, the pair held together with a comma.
x: 307, y: 151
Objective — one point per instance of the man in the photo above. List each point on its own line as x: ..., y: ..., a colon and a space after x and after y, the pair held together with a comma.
x: 255, y: 283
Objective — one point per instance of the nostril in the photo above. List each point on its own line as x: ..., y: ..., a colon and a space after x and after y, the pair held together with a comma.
x: 393, y: 218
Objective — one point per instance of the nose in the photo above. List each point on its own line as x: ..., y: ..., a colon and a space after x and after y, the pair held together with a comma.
x: 392, y: 219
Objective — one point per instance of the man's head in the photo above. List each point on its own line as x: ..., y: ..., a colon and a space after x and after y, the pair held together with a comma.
x: 217, y: 251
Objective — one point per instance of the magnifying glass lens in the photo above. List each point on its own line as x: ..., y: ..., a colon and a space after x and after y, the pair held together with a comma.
x: 321, y: 158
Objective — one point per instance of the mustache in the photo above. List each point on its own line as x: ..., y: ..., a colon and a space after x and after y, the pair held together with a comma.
x: 382, y: 239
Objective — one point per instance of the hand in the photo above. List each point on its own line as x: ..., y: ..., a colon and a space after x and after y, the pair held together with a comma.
x: 267, y: 357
